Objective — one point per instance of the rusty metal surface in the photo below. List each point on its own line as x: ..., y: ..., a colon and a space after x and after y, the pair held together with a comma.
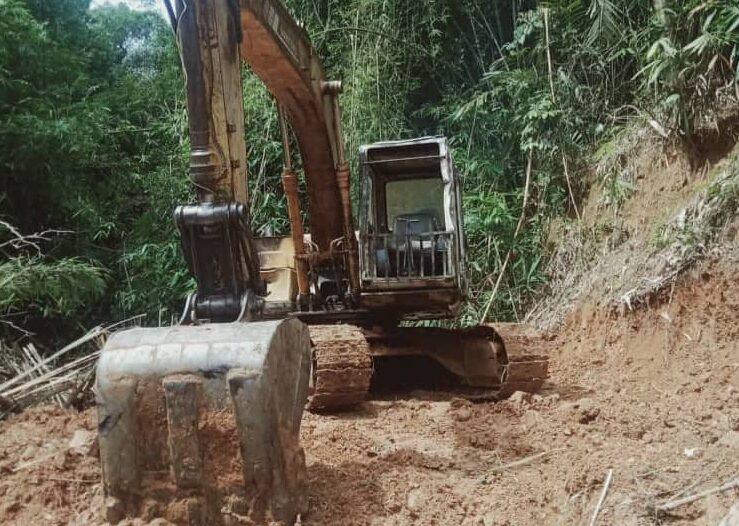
x: 342, y: 367
x: 476, y: 356
x: 188, y: 415
x: 415, y: 304
x: 290, y: 186
x: 279, y: 52
x: 208, y: 37
x: 528, y: 355
x: 216, y: 233
x: 512, y: 358
x: 426, y: 261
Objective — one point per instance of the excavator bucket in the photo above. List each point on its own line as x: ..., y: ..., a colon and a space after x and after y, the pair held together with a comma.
x: 199, y: 425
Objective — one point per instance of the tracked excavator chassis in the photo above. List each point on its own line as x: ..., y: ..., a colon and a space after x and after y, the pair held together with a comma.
x: 200, y: 424
x: 494, y: 361
x: 528, y: 358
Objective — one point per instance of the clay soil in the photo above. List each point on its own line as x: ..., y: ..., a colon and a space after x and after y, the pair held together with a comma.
x: 651, y: 395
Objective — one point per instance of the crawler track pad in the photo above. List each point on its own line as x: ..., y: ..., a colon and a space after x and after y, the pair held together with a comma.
x: 342, y: 367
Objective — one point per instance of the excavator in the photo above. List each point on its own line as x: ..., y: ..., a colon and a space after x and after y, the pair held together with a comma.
x: 199, y: 422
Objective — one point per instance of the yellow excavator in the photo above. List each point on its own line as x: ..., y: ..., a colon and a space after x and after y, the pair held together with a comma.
x: 199, y: 423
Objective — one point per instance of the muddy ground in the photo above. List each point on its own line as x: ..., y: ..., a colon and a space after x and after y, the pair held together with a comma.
x: 652, y: 396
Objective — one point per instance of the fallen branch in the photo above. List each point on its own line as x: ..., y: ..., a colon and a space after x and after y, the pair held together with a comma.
x: 37, y: 380
x: 15, y: 327
x: 524, y: 461
x: 671, y: 505
x: 34, y: 462
x: 78, y: 481
x: 19, y: 241
x: 602, y: 498
x: 94, y: 333
x: 72, y: 366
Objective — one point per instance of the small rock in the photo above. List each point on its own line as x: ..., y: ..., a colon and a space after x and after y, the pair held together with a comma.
x: 587, y: 411
x: 393, y: 507
x: 635, y: 432
x: 567, y: 432
x: 413, y: 501
x: 520, y: 398
x: 693, y: 452
x: 597, y: 440
x: 82, y: 442
x: 10, y: 507
x: 730, y: 440
x: 463, y: 414
x: 29, y: 452
x: 113, y: 510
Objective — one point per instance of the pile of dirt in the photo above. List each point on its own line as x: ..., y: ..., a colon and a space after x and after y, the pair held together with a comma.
x: 49, y: 468
x: 653, y: 396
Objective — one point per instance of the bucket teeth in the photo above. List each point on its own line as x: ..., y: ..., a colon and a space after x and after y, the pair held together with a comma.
x: 117, y: 427
x: 183, y: 395
x: 253, y: 426
x: 200, y: 425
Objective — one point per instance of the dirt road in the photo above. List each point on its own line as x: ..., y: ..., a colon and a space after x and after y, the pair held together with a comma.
x: 653, y: 396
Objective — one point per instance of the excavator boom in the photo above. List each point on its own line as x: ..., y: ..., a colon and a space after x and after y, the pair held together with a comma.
x: 213, y: 36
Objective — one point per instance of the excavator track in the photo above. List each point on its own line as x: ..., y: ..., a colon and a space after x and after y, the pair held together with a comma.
x: 342, y: 367
x: 491, y: 362
x: 528, y: 361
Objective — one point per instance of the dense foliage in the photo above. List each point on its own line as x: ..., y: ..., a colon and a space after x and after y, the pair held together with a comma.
x: 93, y: 128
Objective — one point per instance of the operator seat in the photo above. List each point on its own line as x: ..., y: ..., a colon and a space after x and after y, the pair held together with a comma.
x: 414, y: 224
x: 419, y: 226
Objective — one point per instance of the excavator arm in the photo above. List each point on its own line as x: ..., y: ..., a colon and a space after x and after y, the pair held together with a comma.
x: 213, y: 36
x: 200, y: 423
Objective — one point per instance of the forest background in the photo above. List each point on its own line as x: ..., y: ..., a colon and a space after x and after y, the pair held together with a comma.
x: 93, y: 133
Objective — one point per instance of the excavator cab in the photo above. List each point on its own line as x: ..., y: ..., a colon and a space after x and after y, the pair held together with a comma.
x: 410, y: 230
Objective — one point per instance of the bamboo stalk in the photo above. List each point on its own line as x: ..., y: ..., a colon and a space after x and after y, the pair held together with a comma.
x: 76, y: 364
x: 602, y: 497
x: 523, y: 462
x: 519, y: 226
x: 700, y: 495
x: 35, y: 380
x: 97, y: 331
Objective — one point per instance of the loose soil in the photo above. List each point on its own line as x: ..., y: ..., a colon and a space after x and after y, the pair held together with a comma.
x: 652, y: 395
